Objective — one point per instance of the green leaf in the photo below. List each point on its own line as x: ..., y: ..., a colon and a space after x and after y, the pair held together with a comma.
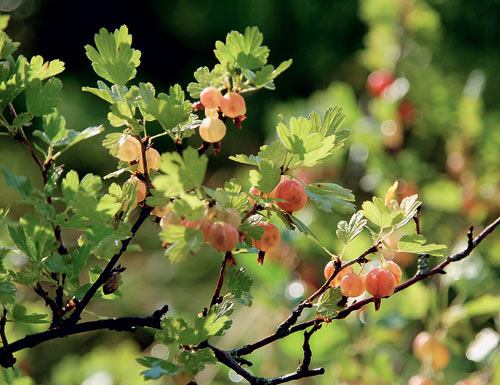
x: 114, y: 59
x: 181, y: 173
x: 252, y: 160
x: 170, y: 110
x: 38, y: 69
x: 19, y: 183
x: 204, y: 327
x: 7, y: 290
x: 22, y: 119
x: 346, y: 232
x: 188, y: 206
x: 184, y: 240
x: 299, y: 138
x: 170, y: 330
x: 158, y: 367
x: 244, y: 51
x: 265, y: 77
x: 378, y: 213
x: 236, y: 199
x: 7, y: 46
x: 206, y: 78
x: 239, y: 285
x: 267, y: 178
x: 195, y: 361
x: 331, y: 197
x: 327, y: 306
x: 487, y: 304
x: 103, y: 91
x: 13, y: 83
x: 416, y: 244
x: 19, y: 314
x: 41, y: 100
x: 111, y: 142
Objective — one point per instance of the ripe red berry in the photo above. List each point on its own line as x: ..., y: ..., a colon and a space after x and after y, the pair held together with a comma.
x: 380, y: 283
x: 270, y: 238
x: 352, y: 285
x: 378, y: 81
x: 330, y: 268
x: 129, y: 148
x: 394, y: 268
x: 211, y: 97
x: 169, y: 219
x: 212, y: 130
x: 223, y: 236
x: 233, y: 105
x: 293, y: 192
x: 230, y: 215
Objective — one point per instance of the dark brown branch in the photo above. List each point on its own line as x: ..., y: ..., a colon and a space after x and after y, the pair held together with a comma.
x: 216, y: 298
x: 118, y: 324
x: 80, y: 306
x: 56, y: 310
x: 7, y: 360
x: 416, y: 219
x: 439, y: 269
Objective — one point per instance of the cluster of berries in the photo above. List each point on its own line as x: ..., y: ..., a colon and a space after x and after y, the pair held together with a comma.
x: 379, y: 282
x: 232, y: 105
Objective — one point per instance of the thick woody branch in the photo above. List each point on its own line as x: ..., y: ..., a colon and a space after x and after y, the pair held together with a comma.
x: 118, y: 324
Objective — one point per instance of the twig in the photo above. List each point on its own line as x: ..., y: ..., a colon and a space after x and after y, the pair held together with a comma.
x: 118, y: 324
x: 216, y: 297
x: 204, y: 147
x: 6, y: 360
x: 80, y: 306
x: 56, y: 310
x: 439, y: 269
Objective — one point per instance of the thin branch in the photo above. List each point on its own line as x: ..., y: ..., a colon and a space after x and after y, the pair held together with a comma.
x: 204, y: 147
x: 80, y: 306
x: 118, y: 324
x: 439, y: 269
x: 56, y: 310
x: 7, y: 360
x: 216, y: 298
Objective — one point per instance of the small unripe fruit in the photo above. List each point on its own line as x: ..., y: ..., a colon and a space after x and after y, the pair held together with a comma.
x: 233, y: 105
x: 270, y: 238
x: 378, y: 81
x: 330, y: 268
x: 223, y: 236
x: 394, y: 268
x: 212, y: 130
x: 169, y: 219
x: 380, y: 283
x: 352, y: 285
x: 153, y: 159
x: 420, y: 380
x: 211, y: 97
x: 129, y: 148
x: 293, y: 192
x: 428, y: 348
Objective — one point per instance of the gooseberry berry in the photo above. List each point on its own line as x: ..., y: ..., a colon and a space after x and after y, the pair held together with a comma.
x: 169, y: 218
x: 352, y: 285
x: 212, y: 130
x: 427, y: 347
x: 223, y: 236
x: 211, y: 97
x: 378, y: 81
x: 129, y: 148
x: 330, y: 268
x: 380, y: 283
x: 270, y: 238
x: 293, y: 192
x: 233, y: 105
x: 394, y: 268
x: 153, y: 159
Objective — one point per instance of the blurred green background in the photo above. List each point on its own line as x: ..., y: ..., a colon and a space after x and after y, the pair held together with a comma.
x: 436, y: 130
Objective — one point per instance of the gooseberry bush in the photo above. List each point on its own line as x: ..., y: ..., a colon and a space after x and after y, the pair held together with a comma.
x: 151, y: 184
